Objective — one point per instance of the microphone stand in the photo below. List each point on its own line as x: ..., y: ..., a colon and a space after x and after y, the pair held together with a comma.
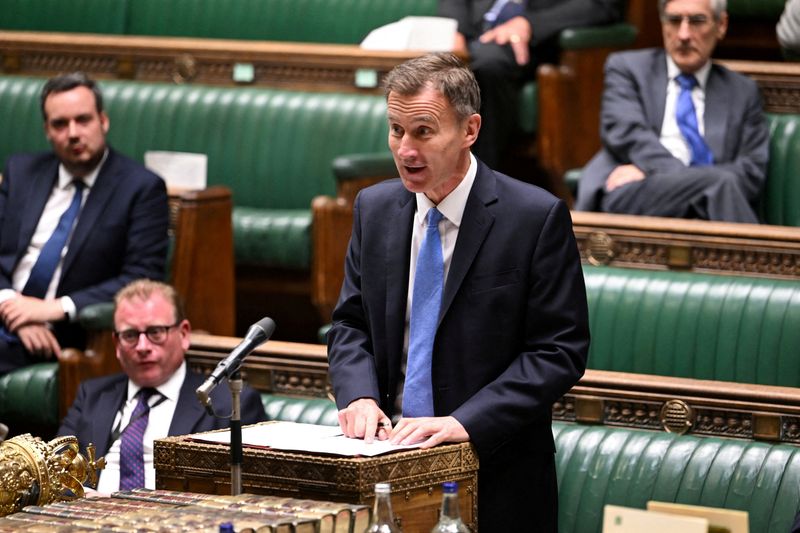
x: 235, y: 384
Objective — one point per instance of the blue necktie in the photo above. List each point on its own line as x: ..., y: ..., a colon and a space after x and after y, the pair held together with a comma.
x: 502, y: 11
x: 426, y: 303
x: 45, y: 266
x: 687, y: 122
x: 131, y: 450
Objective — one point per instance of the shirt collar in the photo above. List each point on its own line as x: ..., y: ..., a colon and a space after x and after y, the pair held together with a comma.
x: 452, y: 206
x: 65, y: 178
x: 701, y: 75
x: 170, y: 389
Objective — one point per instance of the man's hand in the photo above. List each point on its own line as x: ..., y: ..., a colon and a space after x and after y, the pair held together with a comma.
x: 39, y: 340
x: 435, y: 429
x: 517, y: 32
x: 363, y: 419
x: 21, y: 310
x: 623, y: 175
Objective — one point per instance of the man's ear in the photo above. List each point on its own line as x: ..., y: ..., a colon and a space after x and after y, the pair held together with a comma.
x: 722, y: 25
x: 105, y: 122
x: 472, y: 127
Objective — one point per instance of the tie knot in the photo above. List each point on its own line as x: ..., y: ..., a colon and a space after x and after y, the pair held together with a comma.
x: 687, y: 81
x: 434, y: 216
x: 79, y: 184
x: 145, y: 394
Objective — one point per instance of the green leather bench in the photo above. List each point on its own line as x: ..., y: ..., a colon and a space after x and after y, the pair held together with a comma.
x: 702, y: 326
x: 780, y: 202
x: 272, y: 148
x: 599, y: 465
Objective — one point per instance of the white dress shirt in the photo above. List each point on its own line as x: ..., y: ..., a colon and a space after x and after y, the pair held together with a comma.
x: 158, y: 423
x: 671, y: 137
x: 58, y: 202
x: 452, y: 208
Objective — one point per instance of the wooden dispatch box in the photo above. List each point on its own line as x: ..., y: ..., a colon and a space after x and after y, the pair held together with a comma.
x: 185, y: 464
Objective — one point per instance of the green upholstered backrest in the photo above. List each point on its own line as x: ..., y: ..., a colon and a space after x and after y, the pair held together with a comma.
x: 304, y: 410
x: 328, y: 21
x: 692, y: 325
x: 273, y: 148
x: 87, y: 16
x: 29, y: 397
x: 755, y: 9
x: 602, y: 465
x: 781, y: 200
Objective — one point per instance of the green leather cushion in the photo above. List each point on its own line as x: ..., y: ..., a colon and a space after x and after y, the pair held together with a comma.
x: 694, y: 325
x: 278, y: 238
x: 343, y: 21
x: 769, y: 10
x: 781, y: 201
x: 87, y: 16
x: 29, y: 396
x: 304, y: 410
x: 600, y: 465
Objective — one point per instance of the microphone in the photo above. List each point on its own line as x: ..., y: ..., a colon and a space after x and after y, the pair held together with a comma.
x: 258, y: 334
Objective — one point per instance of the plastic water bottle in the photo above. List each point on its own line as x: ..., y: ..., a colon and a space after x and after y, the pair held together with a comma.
x: 382, y: 517
x: 226, y: 527
x: 450, y: 519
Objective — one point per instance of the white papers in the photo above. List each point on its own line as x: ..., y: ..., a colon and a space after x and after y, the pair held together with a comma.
x: 180, y: 170
x: 430, y: 34
x: 625, y: 520
x: 291, y: 436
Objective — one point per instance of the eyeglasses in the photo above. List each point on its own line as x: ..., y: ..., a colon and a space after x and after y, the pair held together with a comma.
x: 695, y: 21
x: 155, y: 334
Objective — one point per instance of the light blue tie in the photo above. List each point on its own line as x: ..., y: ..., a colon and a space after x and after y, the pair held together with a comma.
x: 45, y: 266
x: 687, y: 122
x: 426, y: 303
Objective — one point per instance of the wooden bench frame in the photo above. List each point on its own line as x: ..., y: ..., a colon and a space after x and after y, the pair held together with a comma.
x: 680, y: 405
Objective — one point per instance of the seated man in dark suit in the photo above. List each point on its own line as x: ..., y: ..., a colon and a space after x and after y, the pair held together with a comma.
x: 682, y: 137
x: 76, y: 224
x: 506, y: 40
x: 155, y: 397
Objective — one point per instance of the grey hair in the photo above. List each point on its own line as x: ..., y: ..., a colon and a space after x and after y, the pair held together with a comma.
x: 441, y: 71
x: 717, y: 6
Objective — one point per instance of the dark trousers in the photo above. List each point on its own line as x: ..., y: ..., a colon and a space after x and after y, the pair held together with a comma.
x: 686, y: 195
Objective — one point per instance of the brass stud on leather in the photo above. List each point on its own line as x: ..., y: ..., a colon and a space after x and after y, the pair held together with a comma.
x: 677, y: 417
x: 599, y: 248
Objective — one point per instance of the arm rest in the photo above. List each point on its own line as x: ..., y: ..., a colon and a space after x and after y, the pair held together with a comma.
x: 620, y: 35
x: 332, y: 220
x: 97, y: 359
x: 572, y: 179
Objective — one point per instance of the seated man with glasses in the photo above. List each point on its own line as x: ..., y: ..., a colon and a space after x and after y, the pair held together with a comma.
x: 682, y: 137
x: 155, y: 396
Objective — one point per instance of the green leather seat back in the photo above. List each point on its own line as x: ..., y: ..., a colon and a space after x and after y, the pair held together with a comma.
x: 87, y: 16
x: 781, y: 200
x: 600, y: 465
x: 694, y: 325
x: 304, y: 410
x: 328, y: 21
x: 755, y: 9
x: 29, y: 397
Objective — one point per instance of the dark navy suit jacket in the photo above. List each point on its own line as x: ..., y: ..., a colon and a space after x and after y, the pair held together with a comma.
x: 121, y: 233
x: 512, y: 338
x: 92, y: 414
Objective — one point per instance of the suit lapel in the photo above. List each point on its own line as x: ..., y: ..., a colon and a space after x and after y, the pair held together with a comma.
x: 397, y: 257
x: 104, y: 417
x: 41, y: 187
x: 715, y: 117
x: 475, y: 225
x: 97, y: 201
x: 658, y: 91
x: 188, y: 410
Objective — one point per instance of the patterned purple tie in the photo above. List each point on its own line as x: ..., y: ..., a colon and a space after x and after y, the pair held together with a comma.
x: 131, y: 451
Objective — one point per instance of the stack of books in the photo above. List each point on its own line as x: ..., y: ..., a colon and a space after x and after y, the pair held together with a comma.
x: 145, y: 510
